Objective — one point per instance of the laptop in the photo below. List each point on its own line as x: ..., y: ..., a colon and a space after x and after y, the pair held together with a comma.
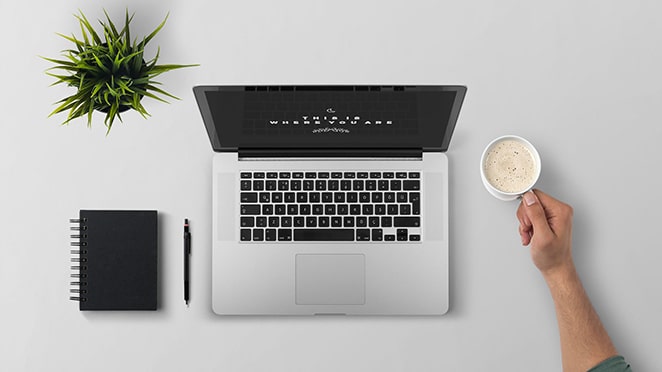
x: 330, y: 200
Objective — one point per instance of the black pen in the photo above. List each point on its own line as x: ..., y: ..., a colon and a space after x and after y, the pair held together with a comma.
x: 187, y: 254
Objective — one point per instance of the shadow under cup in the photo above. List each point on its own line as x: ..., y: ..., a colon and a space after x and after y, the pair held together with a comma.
x: 509, y: 167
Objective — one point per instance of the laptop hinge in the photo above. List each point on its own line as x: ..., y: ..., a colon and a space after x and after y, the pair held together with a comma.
x: 334, y: 153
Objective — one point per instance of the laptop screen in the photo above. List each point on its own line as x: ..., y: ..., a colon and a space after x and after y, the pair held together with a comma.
x: 368, y: 117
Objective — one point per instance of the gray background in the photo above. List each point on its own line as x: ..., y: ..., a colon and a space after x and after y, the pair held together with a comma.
x: 579, y: 79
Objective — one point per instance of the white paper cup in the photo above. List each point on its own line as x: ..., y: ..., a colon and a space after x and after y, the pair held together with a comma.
x: 507, y: 190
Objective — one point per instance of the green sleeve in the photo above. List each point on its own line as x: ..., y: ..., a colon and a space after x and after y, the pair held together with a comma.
x: 614, y: 364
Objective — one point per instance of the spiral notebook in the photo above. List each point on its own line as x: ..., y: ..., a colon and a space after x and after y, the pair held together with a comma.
x: 115, y: 260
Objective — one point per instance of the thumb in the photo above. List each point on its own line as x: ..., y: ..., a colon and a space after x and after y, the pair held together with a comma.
x: 534, y: 210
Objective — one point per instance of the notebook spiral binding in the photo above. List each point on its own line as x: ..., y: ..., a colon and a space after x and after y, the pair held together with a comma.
x: 78, y: 259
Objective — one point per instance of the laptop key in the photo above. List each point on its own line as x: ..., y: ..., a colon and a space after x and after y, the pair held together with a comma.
x: 260, y: 221
x: 416, y: 207
x: 402, y: 235
x: 330, y: 209
x: 373, y: 222
x: 348, y: 221
x: 250, y: 209
x: 270, y: 235
x: 258, y: 235
x: 284, y: 235
x: 377, y: 235
x: 248, y: 197
x: 247, y: 222
x: 411, y: 185
x: 363, y: 235
x: 406, y: 221
x: 245, y: 175
x: 415, y: 238
x: 245, y: 235
x: 389, y: 238
x: 324, y: 234
x: 299, y: 222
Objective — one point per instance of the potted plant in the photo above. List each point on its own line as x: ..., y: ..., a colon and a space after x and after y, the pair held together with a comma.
x: 109, y: 71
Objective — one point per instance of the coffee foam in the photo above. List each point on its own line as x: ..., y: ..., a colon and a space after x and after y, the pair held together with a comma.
x: 510, y: 166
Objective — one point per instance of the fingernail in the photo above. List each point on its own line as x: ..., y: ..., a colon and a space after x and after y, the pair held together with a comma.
x: 529, y: 198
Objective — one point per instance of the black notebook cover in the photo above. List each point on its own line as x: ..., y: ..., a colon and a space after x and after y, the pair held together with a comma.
x: 118, y: 260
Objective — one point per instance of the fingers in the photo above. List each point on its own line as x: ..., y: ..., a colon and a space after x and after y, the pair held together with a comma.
x: 525, y: 234
x: 558, y: 214
x: 525, y: 227
x: 534, y: 210
x: 533, y: 217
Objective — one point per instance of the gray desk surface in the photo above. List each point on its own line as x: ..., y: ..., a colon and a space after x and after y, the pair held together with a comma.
x: 581, y: 80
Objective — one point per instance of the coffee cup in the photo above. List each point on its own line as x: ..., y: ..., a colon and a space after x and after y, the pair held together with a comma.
x: 509, y: 167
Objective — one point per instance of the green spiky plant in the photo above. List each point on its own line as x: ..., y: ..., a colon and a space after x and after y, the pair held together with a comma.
x: 109, y: 72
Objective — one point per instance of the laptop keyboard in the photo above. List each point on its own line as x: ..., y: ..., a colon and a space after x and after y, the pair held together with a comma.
x: 330, y: 206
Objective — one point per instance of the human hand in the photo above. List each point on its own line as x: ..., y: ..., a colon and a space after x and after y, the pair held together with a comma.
x: 546, y: 224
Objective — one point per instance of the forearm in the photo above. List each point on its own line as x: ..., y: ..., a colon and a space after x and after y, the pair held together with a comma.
x: 584, y: 340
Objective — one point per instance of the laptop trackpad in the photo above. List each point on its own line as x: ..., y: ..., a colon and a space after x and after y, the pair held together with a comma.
x: 330, y: 279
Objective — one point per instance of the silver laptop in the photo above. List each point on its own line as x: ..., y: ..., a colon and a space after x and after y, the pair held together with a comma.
x: 330, y: 200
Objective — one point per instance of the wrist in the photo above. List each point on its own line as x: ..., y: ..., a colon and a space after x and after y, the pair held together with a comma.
x: 560, y: 274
